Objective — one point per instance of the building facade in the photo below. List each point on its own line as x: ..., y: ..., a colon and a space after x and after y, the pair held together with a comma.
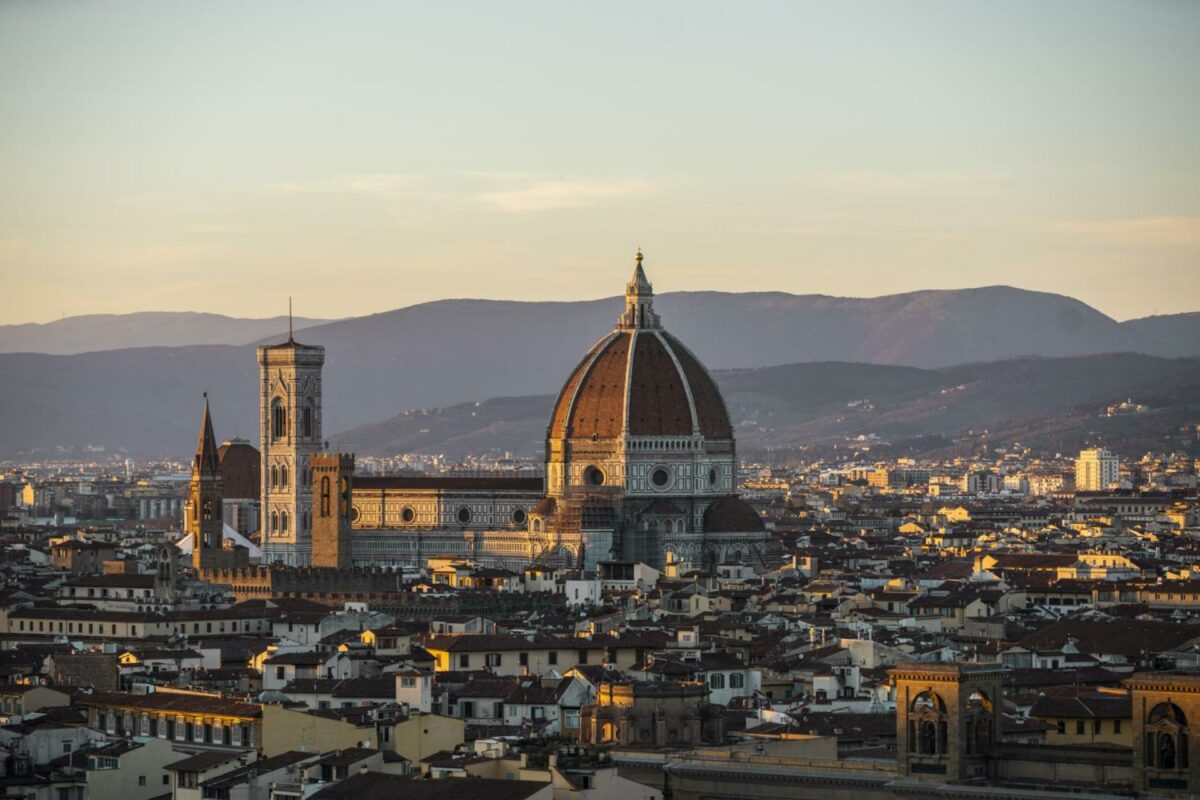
x: 640, y: 465
x: 1096, y: 470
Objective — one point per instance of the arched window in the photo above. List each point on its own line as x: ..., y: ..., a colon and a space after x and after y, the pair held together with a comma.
x: 274, y: 521
x: 274, y: 475
x: 283, y: 476
x: 283, y: 522
x: 1166, y: 739
x: 928, y: 728
x: 344, y: 498
x: 308, y: 419
x: 325, y: 498
x: 278, y: 420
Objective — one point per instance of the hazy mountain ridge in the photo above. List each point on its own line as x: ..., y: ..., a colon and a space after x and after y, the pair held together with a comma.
x: 446, y: 352
x: 90, y: 333
x: 1050, y: 402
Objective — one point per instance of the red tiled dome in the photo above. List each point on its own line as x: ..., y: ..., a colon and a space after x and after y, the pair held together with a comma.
x: 645, y: 379
x: 240, y: 470
x: 731, y: 514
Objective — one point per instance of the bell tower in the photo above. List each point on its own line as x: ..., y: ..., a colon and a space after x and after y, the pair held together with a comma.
x: 204, y: 517
x: 289, y: 434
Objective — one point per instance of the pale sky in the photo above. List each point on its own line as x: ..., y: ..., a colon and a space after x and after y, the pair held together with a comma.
x: 219, y: 156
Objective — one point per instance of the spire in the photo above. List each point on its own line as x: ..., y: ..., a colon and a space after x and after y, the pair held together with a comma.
x: 290, y: 339
x: 206, y: 446
x: 639, y: 299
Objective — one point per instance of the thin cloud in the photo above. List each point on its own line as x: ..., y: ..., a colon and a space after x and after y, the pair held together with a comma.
x: 929, y: 184
x: 552, y: 195
x: 376, y: 184
x: 1137, y: 231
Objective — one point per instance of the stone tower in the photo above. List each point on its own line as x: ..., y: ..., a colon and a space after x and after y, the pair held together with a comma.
x: 203, y: 510
x: 946, y: 719
x: 333, y: 488
x: 290, y: 434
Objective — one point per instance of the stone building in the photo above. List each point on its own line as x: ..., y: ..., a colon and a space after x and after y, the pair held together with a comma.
x: 949, y: 745
x: 652, y: 715
x: 640, y: 465
x: 1166, y: 731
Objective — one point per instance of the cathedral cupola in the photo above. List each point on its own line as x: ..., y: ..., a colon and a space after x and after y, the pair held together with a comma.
x: 639, y: 300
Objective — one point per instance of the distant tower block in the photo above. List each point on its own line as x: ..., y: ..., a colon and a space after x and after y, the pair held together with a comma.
x: 333, y: 489
x: 290, y: 434
x: 946, y: 719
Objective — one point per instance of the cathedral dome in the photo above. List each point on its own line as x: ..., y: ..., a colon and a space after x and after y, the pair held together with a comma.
x: 639, y: 380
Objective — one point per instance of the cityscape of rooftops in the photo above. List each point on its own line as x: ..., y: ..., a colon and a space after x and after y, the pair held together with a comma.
x: 537, y: 401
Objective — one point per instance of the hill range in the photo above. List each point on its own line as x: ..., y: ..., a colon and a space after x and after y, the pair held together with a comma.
x: 1054, y: 404
x: 436, y: 355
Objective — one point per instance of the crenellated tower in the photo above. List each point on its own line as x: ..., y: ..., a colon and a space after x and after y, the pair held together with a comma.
x: 332, y: 500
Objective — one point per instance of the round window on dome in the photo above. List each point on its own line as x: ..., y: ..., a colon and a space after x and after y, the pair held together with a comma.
x: 593, y: 476
x: 354, y: 514
x: 712, y: 477
x: 660, y: 477
x: 518, y: 516
x: 407, y: 514
x: 464, y: 515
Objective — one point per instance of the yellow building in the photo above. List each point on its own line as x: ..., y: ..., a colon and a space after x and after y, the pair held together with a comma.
x: 192, y: 720
x: 414, y: 738
x: 1092, y: 716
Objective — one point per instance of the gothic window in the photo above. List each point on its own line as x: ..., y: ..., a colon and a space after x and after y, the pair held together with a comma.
x: 278, y: 420
x: 283, y: 522
x: 307, y: 421
x: 274, y: 475
x: 283, y: 476
x: 344, y: 498
x: 325, y: 496
x: 274, y: 520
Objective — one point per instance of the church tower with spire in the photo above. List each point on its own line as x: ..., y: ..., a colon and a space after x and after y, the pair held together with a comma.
x: 204, y: 514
